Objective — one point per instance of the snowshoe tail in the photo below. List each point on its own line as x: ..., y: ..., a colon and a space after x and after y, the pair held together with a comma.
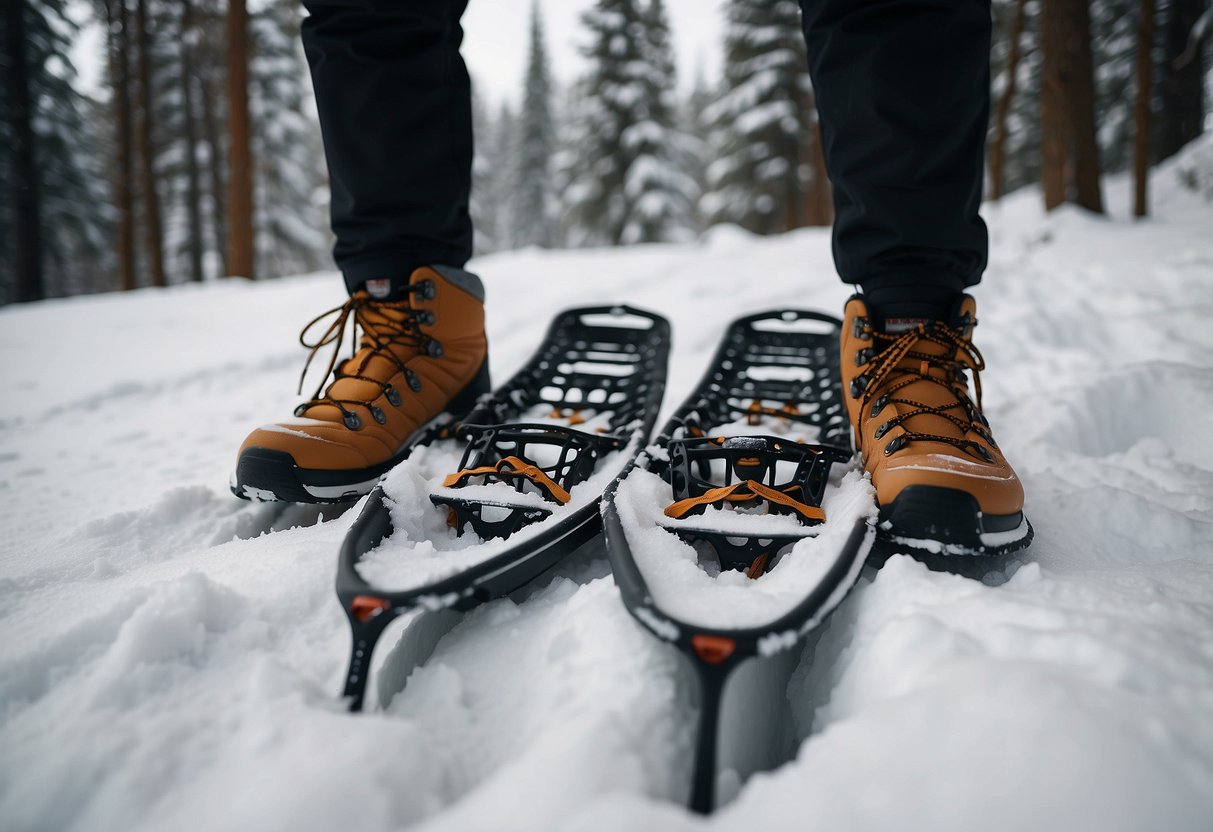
x: 719, y: 454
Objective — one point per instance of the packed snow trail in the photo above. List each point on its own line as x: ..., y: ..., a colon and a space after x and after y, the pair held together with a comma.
x: 169, y: 656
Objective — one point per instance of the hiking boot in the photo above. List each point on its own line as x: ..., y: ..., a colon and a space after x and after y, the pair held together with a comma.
x: 941, y: 481
x: 420, y: 356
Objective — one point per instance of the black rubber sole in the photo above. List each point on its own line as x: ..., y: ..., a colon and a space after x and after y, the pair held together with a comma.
x: 937, y: 520
x: 270, y: 475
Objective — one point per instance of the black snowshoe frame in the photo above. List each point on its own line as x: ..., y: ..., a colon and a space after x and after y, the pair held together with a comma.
x: 780, y: 363
x: 604, y: 358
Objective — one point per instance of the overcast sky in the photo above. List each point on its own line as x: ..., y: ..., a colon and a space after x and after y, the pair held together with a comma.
x: 496, y: 34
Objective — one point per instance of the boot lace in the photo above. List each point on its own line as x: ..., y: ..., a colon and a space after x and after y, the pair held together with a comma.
x: 896, y: 362
x: 384, y: 325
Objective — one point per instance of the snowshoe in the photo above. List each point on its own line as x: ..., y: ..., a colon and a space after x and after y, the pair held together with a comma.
x: 484, y: 505
x: 747, y: 520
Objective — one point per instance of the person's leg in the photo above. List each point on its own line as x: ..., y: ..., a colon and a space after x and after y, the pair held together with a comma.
x: 395, y: 111
x: 903, y: 93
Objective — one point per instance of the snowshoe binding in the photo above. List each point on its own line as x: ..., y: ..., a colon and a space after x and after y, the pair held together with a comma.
x: 484, y: 505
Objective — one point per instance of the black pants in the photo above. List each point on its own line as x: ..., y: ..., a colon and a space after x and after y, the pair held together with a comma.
x: 902, y: 90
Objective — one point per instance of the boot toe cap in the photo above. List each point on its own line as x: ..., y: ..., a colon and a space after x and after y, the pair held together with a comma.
x: 316, y: 446
x: 995, y: 487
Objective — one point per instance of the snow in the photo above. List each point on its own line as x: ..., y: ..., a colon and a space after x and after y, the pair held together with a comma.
x: 170, y: 656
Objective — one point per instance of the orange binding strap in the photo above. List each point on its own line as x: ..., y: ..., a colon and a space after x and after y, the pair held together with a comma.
x: 757, y: 409
x: 737, y: 493
x: 759, y: 566
x: 511, y: 468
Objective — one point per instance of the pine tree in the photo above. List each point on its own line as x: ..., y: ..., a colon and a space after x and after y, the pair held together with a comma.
x: 482, y: 206
x: 532, y: 216
x: 290, y: 218
x: 627, y: 181
x: 1187, y: 56
x: 1021, y: 139
x: 54, y: 219
x: 764, y: 125
x: 1114, y: 42
x: 659, y: 186
x: 240, y: 238
x: 494, y: 176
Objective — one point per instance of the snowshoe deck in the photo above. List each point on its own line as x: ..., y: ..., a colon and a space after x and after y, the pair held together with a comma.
x: 744, y: 464
x: 524, y: 473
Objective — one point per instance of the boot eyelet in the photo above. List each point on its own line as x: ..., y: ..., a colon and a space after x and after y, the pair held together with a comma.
x: 378, y: 415
x: 983, y: 453
x: 352, y: 421
x: 300, y: 410
x: 895, y: 445
x: 393, y: 396
x: 859, y: 327
x: 428, y: 290
x: 414, y: 382
x: 883, y: 429
x: 879, y: 405
x: 863, y: 356
x: 858, y: 384
x: 434, y: 349
x: 427, y: 318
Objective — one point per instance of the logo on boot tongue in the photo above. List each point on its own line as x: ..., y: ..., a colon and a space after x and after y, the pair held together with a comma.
x: 379, y: 288
x: 896, y: 326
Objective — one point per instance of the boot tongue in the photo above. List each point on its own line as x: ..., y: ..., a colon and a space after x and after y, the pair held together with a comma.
x: 898, y: 325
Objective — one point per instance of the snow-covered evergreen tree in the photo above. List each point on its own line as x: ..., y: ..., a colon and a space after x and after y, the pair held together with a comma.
x: 494, y: 177
x: 531, y: 219
x: 290, y: 214
x: 482, y: 206
x: 74, y: 216
x: 763, y: 126
x: 1022, y: 140
x: 626, y: 180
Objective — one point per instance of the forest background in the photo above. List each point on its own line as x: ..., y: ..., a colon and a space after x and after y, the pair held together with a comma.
x: 193, y: 152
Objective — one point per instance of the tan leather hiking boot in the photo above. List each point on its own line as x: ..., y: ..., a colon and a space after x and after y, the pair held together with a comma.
x: 941, y: 481
x: 418, y: 357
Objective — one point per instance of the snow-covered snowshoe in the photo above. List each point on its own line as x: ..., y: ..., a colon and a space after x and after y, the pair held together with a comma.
x: 483, y: 506
x: 734, y: 534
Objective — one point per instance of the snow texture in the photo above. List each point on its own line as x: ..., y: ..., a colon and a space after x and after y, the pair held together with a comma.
x: 170, y: 656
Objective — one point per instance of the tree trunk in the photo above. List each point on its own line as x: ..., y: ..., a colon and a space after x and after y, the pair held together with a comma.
x: 193, y: 186
x: 215, y: 166
x: 25, y: 183
x: 239, y: 155
x: 118, y: 43
x: 998, y: 151
x: 1084, y: 146
x: 1141, y: 116
x: 1069, y: 151
x: 1053, y: 153
x: 154, y: 235
x: 1181, y: 114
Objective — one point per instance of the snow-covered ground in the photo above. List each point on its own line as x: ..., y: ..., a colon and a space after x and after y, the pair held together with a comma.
x: 169, y: 655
